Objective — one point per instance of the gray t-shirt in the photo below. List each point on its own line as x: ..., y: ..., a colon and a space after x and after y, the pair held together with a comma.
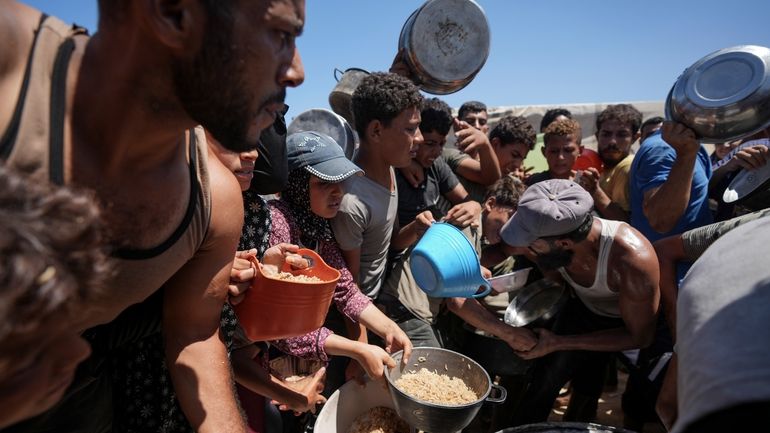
x: 439, y: 180
x: 365, y: 221
x: 722, y: 324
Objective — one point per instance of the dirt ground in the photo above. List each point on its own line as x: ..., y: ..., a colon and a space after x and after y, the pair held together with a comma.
x: 609, y: 412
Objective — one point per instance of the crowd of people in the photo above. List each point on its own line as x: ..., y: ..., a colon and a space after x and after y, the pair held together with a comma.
x: 146, y: 168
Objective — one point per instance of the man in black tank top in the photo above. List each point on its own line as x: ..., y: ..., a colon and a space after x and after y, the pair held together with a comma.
x: 110, y: 113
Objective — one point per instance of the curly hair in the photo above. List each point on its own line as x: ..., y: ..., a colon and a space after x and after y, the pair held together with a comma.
x: 436, y: 116
x: 383, y: 96
x: 52, y: 253
x: 563, y: 128
x: 551, y: 115
x: 471, y: 107
x: 626, y: 114
x: 506, y: 191
x: 514, y: 129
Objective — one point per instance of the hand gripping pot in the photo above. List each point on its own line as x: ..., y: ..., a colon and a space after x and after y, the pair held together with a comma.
x: 274, y: 308
x: 444, y: 264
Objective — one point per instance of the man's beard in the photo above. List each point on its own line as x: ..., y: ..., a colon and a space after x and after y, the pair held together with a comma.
x: 212, y: 90
x: 554, y: 259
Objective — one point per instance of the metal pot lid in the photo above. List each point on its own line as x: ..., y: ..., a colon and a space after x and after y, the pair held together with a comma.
x: 747, y: 182
x: 727, y: 76
x: 449, y: 39
x: 326, y: 122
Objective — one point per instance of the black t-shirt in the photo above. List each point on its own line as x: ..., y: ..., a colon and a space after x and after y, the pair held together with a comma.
x: 439, y: 180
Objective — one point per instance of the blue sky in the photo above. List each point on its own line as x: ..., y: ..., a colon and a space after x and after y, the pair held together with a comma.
x: 543, y: 52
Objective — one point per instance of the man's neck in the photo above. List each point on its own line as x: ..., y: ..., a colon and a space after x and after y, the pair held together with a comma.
x: 374, y: 166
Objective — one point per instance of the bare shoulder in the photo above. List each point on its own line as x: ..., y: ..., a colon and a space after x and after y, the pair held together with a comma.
x: 17, y: 25
x: 226, y: 200
x: 634, y: 256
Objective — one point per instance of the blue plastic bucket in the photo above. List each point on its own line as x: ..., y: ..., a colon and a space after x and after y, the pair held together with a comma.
x: 444, y: 264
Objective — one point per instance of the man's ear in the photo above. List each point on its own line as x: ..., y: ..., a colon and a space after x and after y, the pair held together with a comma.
x: 565, y: 243
x: 177, y: 24
x: 374, y: 131
x: 495, y: 142
x: 489, y: 204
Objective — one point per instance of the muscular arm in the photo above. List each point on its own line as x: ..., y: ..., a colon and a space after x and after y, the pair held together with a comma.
x: 193, y: 300
x: 476, y: 315
x: 664, y: 205
x: 670, y: 251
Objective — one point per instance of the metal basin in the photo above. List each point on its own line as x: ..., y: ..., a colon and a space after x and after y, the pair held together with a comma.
x: 536, y: 304
x: 565, y: 427
x: 725, y: 95
x: 446, y: 43
x: 329, y: 123
x: 341, y: 96
x: 431, y: 417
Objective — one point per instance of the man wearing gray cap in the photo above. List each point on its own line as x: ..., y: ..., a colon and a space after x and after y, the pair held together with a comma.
x: 613, y: 271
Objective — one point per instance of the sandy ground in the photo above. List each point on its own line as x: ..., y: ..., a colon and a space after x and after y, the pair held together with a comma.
x: 609, y: 412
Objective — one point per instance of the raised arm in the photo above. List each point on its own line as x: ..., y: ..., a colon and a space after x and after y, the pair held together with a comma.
x: 485, y: 170
x: 664, y: 205
x: 193, y: 301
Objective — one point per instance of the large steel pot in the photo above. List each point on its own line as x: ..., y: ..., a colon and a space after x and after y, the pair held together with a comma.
x: 341, y: 96
x: 564, y: 427
x: 431, y: 417
x: 445, y: 44
x: 725, y: 95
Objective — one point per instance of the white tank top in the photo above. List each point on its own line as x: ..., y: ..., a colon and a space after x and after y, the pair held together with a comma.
x: 599, y: 298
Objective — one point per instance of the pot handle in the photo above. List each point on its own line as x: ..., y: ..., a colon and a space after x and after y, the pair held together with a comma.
x: 485, y: 292
x: 336, y: 72
x: 502, y: 394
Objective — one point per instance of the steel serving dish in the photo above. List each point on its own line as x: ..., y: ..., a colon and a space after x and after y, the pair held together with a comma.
x: 725, y: 95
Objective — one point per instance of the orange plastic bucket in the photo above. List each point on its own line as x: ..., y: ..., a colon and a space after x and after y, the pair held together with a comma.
x: 274, y: 308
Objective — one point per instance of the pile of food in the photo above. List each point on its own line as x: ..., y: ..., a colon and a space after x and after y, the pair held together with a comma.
x: 436, y: 388
x: 379, y: 419
x: 273, y: 272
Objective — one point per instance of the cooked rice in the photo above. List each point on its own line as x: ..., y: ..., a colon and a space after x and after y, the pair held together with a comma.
x: 272, y: 272
x: 379, y: 419
x: 436, y: 388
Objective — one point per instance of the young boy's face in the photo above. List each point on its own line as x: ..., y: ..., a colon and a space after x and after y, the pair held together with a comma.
x: 401, y: 138
x: 561, y: 152
x: 35, y: 370
x: 430, y: 148
x: 240, y: 163
x: 494, y: 216
x: 510, y: 156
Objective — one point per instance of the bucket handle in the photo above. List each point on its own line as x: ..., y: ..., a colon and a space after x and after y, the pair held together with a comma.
x: 502, y: 394
x: 485, y: 292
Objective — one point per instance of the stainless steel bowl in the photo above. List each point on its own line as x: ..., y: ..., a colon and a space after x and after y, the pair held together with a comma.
x: 329, y: 123
x: 446, y: 43
x: 431, y: 417
x: 536, y: 304
x: 724, y: 96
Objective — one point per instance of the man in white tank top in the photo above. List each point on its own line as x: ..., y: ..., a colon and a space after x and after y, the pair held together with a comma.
x: 611, y: 268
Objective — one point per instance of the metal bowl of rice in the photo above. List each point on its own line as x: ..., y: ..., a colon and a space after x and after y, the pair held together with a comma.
x: 440, y: 390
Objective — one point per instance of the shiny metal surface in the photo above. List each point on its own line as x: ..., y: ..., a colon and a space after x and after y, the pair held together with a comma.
x: 725, y: 95
x: 342, y: 94
x: 329, y: 123
x: 446, y: 43
x: 536, y: 303
x: 430, y: 417
x: 510, y: 282
x: 565, y: 427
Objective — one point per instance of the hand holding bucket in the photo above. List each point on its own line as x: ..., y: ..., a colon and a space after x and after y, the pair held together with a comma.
x: 445, y: 265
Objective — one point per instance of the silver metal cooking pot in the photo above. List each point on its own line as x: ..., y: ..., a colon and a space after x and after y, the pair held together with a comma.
x: 445, y: 44
x: 342, y: 94
x: 431, y: 417
x: 725, y: 95
x: 565, y: 427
